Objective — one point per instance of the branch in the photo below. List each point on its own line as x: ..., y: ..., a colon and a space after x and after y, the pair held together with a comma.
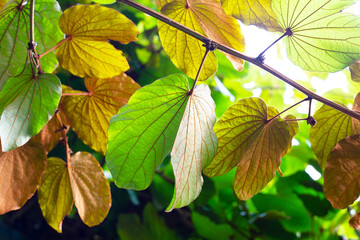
x: 240, y: 55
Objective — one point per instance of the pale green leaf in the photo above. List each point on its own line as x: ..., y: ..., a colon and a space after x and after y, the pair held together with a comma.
x: 143, y: 132
x: 322, y: 37
x: 54, y: 194
x: 195, y: 146
x: 14, y: 36
x: 26, y: 105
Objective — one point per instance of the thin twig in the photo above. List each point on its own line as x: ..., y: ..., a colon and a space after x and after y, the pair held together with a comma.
x: 306, y: 99
x: 57, y: 45
x: 63, y: 133
x: 240, y: 55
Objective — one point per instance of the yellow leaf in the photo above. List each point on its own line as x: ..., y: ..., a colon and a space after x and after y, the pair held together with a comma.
x: 21, y: 171
x: 207, y: 18
x: 90, y: 113
x: 2, y: 4
x: 90, y: 188
x: 195, y: 145
x: 86, y: 52
x: 54, y: 194
x: 341, y: 176
x: 253, y: 12
x: 355, y: 71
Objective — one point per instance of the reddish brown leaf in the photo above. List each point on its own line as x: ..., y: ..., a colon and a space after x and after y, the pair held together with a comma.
x: 90, y: 188
x: 355, y: 221
x: 20, y: 175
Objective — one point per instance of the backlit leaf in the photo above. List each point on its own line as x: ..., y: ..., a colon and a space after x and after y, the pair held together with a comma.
x: 21, y: 171
x: 249, y: 141
x: 341, y: 181
x: 332, y: 126
x: 14, y: 35
x: 207, y: 18
x: 87, y: 52
x: 195, y: 146
x: 54, y: 194
x: 144, y: 130
x: 323, y: 38
x: 253, y: 12
x: 355, y: 71
x: 90, y: 114
x: 26, y: 105
x: 90, y: 188
x: 294, y: 129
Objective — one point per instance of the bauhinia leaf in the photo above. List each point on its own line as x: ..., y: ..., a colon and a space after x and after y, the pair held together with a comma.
x: 21, y: 171
x: 90, y: 114
x: 81, y: 180
x: 26, y: 105
x: 205, y: 17
x: 87, y: 52
x: 341, y: 181
x: 54, y: 194
x: 195, y: 146
x: 253, y: 12
x: 90, y: 188
x: 355, y: 71
x: 332, y: 126
x: 249, y: 140
x: 322, y: 38
x: 144, y: 130
x: 14, y: 35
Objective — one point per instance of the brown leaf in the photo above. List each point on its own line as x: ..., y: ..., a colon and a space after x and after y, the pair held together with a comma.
x: 355, y: 221
x: 356, y: 122
x: 90, y: 188
x: 20, y: 175
x: 341, y: 181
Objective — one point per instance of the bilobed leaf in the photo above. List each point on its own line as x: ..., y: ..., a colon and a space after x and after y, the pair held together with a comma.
x: 248, y: 140
x: 90, y: 114
x: 21, y: 171
x: 195, y: 146
x: 332, y: 126
x: 341, y: 181
x: 54, y: 194
x: 323, y: 38
x: 90, y: 188
x: 207, y: 18
x: 355, y: 71
x: 14, y: 35
x: 143, y: 132
x: 27, y: 103
x: 87, y: 52
x: 253, y: 12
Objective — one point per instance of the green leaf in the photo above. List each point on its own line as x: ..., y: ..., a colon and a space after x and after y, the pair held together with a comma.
x: 253, y: 12
x: 209, y: 229
x: 21, y: 172
x: 322, y: 37
x: 332, y: 126
x: 143, y: 132
x: 248, y: 140
x: 341, y: 176
x: 26, y: 105
x: 54, y: 194
x: 104, y: 1
x: 195, y: 146
x: 14, y: 36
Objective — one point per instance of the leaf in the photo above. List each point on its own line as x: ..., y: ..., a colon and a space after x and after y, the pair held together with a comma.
x: 87, y: 52
x: 207, y: 18
x: 21, y: 172
x: 294, y: 129
x: 355, y: 221
x: 14, y: 36
x: 104, y: 1
x: 143, y: 132
x: 2, y: 4
x: 26, y: 105
x: 253, y: 12
x: 356, y: 122
x: 249, y: 141
x: 322, y: 37
x: 90, y: 188
x: 54, y: 194
x: 341, y: 182
x: 195, y: 146
x: 90, y: 114
x: 355, y: 71
x: 332, y: 126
